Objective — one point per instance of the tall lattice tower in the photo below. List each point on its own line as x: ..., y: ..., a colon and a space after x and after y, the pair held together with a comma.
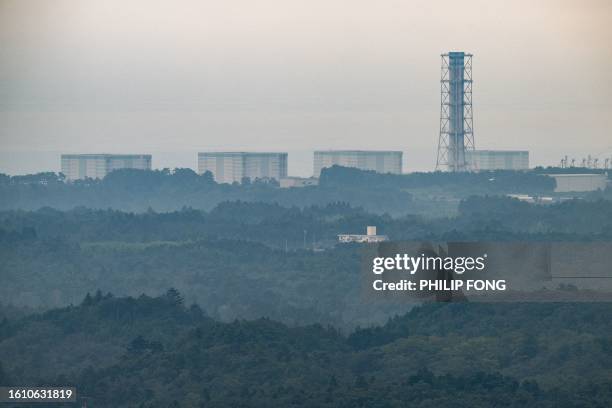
x: 456, y: 120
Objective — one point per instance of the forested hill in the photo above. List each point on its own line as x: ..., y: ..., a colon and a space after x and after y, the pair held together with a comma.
x: 159, y: 352
x: 247, y: 260
x: 282, y: 227
x: 164, y: 190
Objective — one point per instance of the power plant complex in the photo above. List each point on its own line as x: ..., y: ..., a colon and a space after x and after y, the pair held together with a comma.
x: 498, y: 159
x: 379, y: 161
x: 456, y: 148
x: 456, y: 143
x: 97, y: 166
x: 235, y: 167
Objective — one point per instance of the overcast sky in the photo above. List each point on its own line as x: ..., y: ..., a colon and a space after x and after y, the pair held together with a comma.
x: 173, y: 77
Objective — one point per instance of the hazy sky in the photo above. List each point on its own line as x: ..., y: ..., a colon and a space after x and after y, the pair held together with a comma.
x: 173, y: 77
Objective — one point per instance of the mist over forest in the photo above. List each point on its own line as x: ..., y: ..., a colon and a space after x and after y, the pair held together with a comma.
x: 164, y: 288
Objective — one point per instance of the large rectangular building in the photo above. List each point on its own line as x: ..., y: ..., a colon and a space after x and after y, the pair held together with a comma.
x: 576, y: 183
x: 498, y: 159
x: 97, y: 166
x: 230, y: 167
x: 379, y: 161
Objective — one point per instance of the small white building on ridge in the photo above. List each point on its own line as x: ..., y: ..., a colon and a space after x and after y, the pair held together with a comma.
x: 369, y: 237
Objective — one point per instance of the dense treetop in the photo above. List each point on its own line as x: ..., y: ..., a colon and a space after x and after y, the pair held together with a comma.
x: 165, y: 190
x: 167, y: 353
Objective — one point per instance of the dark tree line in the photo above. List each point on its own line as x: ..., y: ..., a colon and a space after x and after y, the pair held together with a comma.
x: 165, y: 190
x: 157, y: 351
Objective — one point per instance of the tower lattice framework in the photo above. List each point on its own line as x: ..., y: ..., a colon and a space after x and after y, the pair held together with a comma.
x: 456, y: 114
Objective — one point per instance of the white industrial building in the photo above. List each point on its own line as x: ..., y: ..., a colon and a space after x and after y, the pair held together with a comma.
x: 369, y: 237
x: 290, y: 182
x: 231, y: 167
x: 576, y: 183
x: 498, y: 159
x: 97, y: 166
x: 379, y: 161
